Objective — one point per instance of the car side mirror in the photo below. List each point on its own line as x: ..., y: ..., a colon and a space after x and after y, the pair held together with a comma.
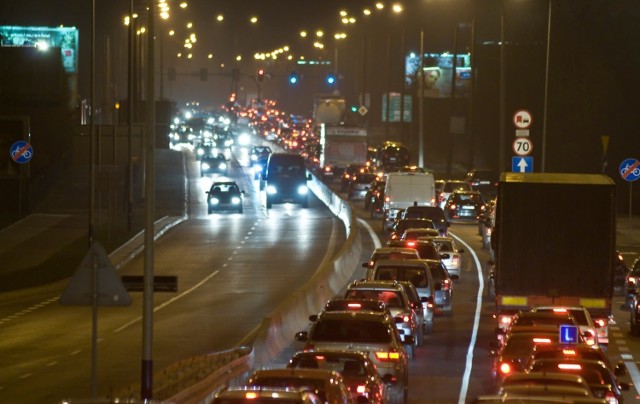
x: 313, y: 318
x: 206, y: 192
x: 399, y: 320
x: 302, y: 336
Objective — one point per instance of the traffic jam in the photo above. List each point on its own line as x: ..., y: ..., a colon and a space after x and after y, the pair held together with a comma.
x: 551, y: 331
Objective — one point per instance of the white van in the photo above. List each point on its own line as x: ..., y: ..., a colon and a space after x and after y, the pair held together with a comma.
x: 404, y: 189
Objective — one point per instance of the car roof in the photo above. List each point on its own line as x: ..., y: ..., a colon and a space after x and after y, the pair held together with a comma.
x: 405, y: 263
x: 543, y: 376
x: 304, y: 373
x: 377, y: 284
x: 394, y: 249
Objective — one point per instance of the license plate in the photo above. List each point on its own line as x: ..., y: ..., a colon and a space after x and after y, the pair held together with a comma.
x: 468, y: 207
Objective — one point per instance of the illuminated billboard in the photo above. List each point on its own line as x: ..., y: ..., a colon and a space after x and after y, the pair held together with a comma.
x: 65, y: 38
x: 438, y: 70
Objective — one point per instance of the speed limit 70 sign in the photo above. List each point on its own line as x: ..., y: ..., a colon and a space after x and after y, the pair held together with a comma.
x: 522, y: 146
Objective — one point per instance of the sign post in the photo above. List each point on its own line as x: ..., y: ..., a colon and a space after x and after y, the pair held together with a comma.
x: 630, y: 171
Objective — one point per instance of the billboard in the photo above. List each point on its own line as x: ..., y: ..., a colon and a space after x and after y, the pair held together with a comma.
x: 65, y: 38
x: 438, y: 74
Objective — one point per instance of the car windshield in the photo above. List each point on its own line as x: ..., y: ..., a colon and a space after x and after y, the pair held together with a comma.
x: 417, y: 276
x: 394, y: 255
x: 224, y: 187
x: 351, y: 330
x: 443, y: 245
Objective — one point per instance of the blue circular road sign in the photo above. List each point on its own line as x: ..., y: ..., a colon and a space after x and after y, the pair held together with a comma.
x: 21, y: 152
x: 630, y: 169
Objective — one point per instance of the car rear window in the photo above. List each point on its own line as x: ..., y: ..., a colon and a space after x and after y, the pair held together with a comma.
x: 438, y: 272
x: 351, y: 330
x: 417, y: 276
x: 315, y: 385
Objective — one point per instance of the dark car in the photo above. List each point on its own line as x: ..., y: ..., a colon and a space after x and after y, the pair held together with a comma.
x: 425, y: 248
x: 359, y: 185
x: 285, y: 180
x: 401, y: 225
x: 484, y: 180
x: 213, y: 165
x: 224, y: 195
x: 444, y: 286
x: 464, y: 206
x: 349, y: 173
x: 374, y: 198
x: 435, y: 214
x: 486, y: 222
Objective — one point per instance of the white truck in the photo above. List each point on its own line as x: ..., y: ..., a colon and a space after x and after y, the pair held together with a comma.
x: 341, y: 146
x: 404, y: 189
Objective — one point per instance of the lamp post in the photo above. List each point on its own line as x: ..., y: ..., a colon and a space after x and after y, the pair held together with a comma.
x: 546, y: 90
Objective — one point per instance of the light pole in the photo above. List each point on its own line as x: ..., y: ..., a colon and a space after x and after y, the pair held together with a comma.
x: 546, y: 90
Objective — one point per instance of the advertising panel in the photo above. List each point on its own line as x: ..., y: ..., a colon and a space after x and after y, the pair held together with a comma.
x: 438, y: 73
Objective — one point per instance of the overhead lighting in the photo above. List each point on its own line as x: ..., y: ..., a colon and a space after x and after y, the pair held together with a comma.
x: 303, y: 34
x: 183, y: 4
x: 220, y: 17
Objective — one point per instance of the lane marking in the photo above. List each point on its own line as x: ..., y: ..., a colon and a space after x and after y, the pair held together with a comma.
x: 372, y: 233
x: 634, y: 373
x: 476, y: 322
x: 168, y: 302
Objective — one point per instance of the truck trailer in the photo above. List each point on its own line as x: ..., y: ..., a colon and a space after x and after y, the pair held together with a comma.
x: 554, y: 244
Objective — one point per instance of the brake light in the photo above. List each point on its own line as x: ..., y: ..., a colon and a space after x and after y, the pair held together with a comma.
x: 569, y: 352
x: 504, y: 320
x: 542, y: 340
x: 320, y: 357
x: 557, y: 310
x: 569, y: 366
x: 360, y: 389
x: 411, y: 244
x: 371, y: 263
x: 433, y: 201
x: 631, y: 280
x: 354, y: 305
x: 505, y: 368
x: 405, y: 318
x: 455, y: 261
x: 600, y: 322
x: 446, y: 284
x: 250, y: 395
x: 384, y: 356
x: 327, y: 169
x: 346, y: 176
x: 610, y: 398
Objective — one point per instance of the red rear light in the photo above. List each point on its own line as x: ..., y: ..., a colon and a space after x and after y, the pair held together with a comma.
x: 387, y: 199
x: 411, y: 244
x: 455, y: 261
x: 557, y: 310
x: 452, y: 206
x: 569, y: 352
x: 354, y: 305
x: 504, y: 320
x: 250, y: 395
x: 631, y: 280
x: 542, y: 340
x: 600, y: 322
x: 609, y: 397
x: 505, y: 368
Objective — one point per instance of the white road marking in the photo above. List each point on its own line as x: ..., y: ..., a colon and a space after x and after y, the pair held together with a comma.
x: 372, y: 233
x: 474, y: 334
x: 168, y: 302
x: 634, y: 373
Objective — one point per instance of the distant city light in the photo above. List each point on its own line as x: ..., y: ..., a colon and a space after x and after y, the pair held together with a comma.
x: 220, y: 17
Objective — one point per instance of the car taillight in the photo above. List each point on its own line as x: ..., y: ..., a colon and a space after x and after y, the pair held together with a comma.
x: 631, y: 280
x: 558, y: 310
x: 385, y: 356
x: 433, y: 201
x: 600, y: 322
x: 452, y: 206
x: 504, y: 321
x: 446, y: 284
x: 569, y: 366
x: 346, y: 176
x: 354, y: 306
x: 361, y: 389
x: 387, y: 199
x: 610, y: 398
x: 455, y: 261
x: 327, y: 169
x: 250, y: 395
x: 542, y: 340
x: 411, y: 244
x: 505, y: 368
x: 405, y: 318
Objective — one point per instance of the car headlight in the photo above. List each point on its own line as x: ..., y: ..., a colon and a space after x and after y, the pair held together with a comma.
x: 244, y: 139
x: 302, y: 189
x: 200, y: 152
x: 228, y: 142
x: 191, y: 137
x: 235, y: 200
x: 254, y: 157
x: 257, y: 168
x: 205, y: 166
x: 223, y: 166
x: 271, y: 190
x: 214, y: 201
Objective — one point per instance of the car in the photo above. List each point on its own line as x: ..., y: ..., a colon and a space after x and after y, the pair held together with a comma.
x: 511, y: 356
x: 600, y: 378
x: 417, y: 303
x: 285, y: 180
x: 565, y: 391
x: 433, y: 213
x: 359, y: 185
x: 372, y: 332
x: 575, y: 351
x: 621, y: 274
x: 204, y: 149
x: 328, y: 385
x: 249, y: 395
x: 396, y: 299
x: 424, y: 247
x: 443, y: 285
x: 634, y: 316
x: 452, y: 185
x: 546, y: 381
x: 509, y: 398
x: 418, y: 273
x: 390, y: 253
x: 224, y: 195
x: 483, y: 180
x: 487, y: 222
x: 450, y: 254
x: 632, y: 282
x: 258, y: 157
x: 401, y: 225
x: 377, y: 185
x: 523, y: 321
x: 357, y: 369
x: 581, y: 315
x: 464, y: 206
x: 349, y: 172
x: 214, y: 164
x: 404, y: 189
x: 413, y: 233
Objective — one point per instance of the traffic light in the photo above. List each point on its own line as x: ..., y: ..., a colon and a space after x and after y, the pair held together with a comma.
x: 331, y: 79
x: 293, y: 77
x: 260, y: 75
x: 204, y: 74
x: 354, y: 108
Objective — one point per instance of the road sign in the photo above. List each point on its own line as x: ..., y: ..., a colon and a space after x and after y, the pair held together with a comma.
x: 522, y: 119
x: 522, y: 146
x: 522, y: 164
x: 630, y: 169
x: 363, y: 110
x: 568, y: 334
x: 21, y: 152
x: 110, y: 290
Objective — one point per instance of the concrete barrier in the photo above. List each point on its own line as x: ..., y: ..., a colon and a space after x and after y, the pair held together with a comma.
x: 278, y: 329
